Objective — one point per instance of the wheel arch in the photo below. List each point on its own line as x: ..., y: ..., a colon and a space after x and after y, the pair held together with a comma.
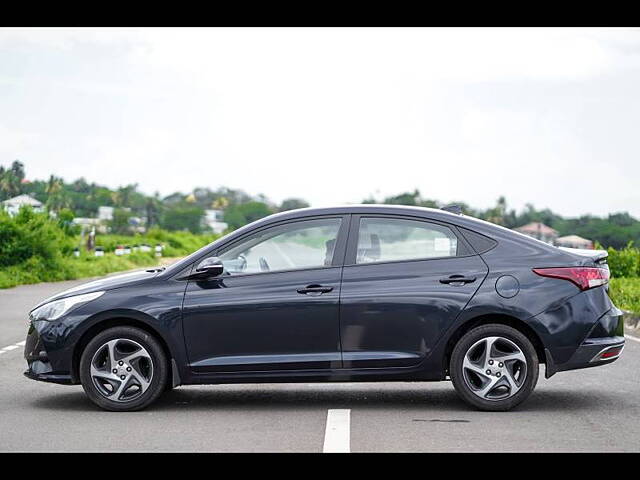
x: 119, y: 321
x: 501, y: 319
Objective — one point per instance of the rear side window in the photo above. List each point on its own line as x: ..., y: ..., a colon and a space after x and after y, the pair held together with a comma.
x: 397, y: 239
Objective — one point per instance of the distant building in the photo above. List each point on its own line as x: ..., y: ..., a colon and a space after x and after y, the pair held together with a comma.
x: 213, y: 219
x: 137, y: 224
x: 87, y: 223
x: 105, y: 214
x: 574, y: 241
x: 13, y: 205
x: 540, y: 231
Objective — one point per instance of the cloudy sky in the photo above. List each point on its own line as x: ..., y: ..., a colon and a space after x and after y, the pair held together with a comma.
x: 550, y: 117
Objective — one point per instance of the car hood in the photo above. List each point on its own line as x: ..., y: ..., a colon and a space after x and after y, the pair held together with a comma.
x: 105, y: 283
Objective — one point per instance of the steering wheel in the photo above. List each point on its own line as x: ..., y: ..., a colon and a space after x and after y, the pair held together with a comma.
x: 264, y: 266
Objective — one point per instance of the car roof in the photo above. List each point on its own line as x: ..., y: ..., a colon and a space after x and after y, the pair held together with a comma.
x: 481, y: 226
x: 364, y: 209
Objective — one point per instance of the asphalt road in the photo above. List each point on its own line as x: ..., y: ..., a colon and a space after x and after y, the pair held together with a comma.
x: 589, y: 410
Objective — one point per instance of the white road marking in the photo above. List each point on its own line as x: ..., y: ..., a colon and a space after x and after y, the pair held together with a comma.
x: 338, y: 431
x: 631, y: 337
x: 15, y: 346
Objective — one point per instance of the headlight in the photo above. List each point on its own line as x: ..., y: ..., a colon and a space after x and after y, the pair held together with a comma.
x: 57, y: 308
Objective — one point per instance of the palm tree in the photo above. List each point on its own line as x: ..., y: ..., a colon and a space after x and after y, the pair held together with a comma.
x: 11, y: 179
x: 122, y: 196
x: 56, y: 197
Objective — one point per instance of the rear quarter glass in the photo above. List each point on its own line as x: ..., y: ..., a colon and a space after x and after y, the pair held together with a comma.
x: 480, y: 243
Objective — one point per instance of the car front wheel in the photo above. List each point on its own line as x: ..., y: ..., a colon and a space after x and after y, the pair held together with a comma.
x: 494, y: 367
x: 123, y: 369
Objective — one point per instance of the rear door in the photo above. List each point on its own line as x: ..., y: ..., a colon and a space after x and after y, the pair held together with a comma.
x: 404, y: 282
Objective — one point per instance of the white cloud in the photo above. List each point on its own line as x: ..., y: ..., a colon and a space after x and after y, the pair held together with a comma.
x: 332, y: 115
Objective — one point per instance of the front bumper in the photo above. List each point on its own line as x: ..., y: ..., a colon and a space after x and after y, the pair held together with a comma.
x: 39, y: 366
x: 48, y: 377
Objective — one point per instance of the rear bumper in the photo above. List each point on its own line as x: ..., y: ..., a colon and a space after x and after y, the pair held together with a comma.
x: 589, y: 354
x: 603, y: 345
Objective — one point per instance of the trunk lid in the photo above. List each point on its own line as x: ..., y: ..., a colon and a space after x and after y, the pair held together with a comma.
x: 598, y: 257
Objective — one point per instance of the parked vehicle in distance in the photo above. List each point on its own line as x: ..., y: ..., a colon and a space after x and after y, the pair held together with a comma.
x: 354, y: 293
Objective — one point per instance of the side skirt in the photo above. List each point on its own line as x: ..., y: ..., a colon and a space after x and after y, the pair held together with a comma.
x: 407, y: 374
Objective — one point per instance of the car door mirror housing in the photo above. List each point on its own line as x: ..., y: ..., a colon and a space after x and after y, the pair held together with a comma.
x: 209, y: 267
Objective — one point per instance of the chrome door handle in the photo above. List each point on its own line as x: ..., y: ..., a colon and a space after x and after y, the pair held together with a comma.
x: 457, y: 279
x: 315, y: 290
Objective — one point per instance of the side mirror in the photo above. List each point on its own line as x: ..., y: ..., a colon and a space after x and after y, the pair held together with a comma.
x: 209, y: 267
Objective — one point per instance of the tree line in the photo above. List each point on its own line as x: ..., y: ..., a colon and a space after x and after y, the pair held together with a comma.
x: 185, y: 211
x: 615, y: 230
x: 174, y: 212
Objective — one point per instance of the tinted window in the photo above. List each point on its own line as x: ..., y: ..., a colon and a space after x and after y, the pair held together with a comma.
x: 305, y: 244
x: 479, y: 242
x: 389, y: 239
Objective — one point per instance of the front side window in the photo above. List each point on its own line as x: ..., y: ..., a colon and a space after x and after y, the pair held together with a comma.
x: 304, y: 244
x: 396, y: 239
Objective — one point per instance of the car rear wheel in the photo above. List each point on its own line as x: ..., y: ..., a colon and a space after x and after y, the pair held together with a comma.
x: 123, y: 369
x: 494, y: 367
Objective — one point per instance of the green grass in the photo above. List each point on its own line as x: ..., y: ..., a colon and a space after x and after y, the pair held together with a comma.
x: 71, y: 268
x: 63, y: 267
x: 175, y: 243
x: 625, y: 293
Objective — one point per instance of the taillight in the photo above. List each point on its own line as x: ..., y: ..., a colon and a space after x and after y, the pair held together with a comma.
x: 583, y: 277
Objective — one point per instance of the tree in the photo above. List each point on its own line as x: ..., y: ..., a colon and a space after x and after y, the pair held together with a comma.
x: 292, y: 204
x: 11, y: 180
x: 220, y: 203
x: 57, y: 198
x: 497, y: 214
x: 122, y: 196
x: 65, y: 222
x: 183, y: 217
x: 407, y: 198
x: 238, y: 215
x: 120, y: 223
x: 153, y: 207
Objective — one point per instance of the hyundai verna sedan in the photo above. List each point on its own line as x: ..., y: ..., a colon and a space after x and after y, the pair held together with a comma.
x: 345, y: 294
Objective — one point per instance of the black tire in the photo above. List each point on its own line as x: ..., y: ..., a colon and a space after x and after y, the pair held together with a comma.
x: 158, y: 380
x: 475, y: 335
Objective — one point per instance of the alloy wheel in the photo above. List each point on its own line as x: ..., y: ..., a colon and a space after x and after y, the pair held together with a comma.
x: 121, y: 370
x: 494, y: 368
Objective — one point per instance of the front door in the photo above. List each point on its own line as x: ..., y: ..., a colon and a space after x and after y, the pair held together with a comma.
x: 405, y: 281
x: 276, y: 306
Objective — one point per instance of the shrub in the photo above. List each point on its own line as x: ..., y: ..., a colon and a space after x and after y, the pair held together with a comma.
x: 36, y: 248
x: 625, y: 293
x: 624, y: 263
x: 31, y: 235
